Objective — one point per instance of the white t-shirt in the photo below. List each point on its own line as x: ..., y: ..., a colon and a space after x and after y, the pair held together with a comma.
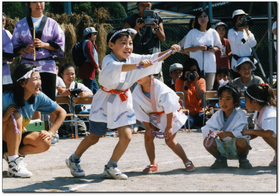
x: 238, y: 47
x: 37, y: 22
x: 206, y: 60
x: 274, y: 26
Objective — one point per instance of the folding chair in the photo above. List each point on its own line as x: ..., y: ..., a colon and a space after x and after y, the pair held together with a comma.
x: 65, y: 100
x: 208, y: 96
x: 79, y: 101
x: 182, y: 100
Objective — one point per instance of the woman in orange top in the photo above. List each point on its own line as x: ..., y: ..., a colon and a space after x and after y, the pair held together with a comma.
x: 193, y: 87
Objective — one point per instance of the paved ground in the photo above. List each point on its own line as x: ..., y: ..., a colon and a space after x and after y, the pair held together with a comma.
x: 50, y: 173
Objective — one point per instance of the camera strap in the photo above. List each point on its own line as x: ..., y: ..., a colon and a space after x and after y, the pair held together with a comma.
x: 76, y: 85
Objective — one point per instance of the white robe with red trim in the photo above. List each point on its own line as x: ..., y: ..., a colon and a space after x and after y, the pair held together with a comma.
x: 166, y: 100
x: 109, y: 108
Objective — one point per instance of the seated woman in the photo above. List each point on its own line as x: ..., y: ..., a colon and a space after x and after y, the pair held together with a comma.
x: 193, y: 87
x: 68, y: 74
x: 19, y: 105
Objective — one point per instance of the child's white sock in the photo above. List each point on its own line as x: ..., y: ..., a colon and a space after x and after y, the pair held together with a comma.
x: 12, y: 158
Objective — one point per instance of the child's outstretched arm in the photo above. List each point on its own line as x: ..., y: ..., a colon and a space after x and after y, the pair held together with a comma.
x: 257, y: 132
x: 132, y: 66
x: 174, y: 47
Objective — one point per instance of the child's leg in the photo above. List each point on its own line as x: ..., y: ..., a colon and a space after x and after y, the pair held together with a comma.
x: 86, y: 143
x: 125, y: 135
x: 177, y: 148
x: 271, y: 141
x: 150, y: 148
x: 243, y: 150
x: 212, y: 149
x: 13, y: 139
x: 33, y: 145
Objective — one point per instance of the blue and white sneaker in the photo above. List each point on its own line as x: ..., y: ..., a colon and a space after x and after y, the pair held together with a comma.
x: 55, y: 138
x: 114, y: 172
x: 75, y: 167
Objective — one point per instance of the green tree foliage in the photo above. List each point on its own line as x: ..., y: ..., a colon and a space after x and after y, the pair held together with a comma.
x: 12, y: 9
x: 79, y: 7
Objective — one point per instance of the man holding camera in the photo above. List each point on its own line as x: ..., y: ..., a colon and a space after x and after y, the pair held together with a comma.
x: 150, y: 31
x: 241, y: 40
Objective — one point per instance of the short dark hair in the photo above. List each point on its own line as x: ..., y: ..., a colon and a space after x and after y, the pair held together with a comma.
x: 119, y: 35
x: 65, y: 66
x: 187, y: 66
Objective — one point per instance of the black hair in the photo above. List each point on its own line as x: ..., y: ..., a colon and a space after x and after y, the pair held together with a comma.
x: 261, y: 92
x: 190, y: 23
x: 187, y: 66
x: 221, y: 70
x: 88, y: 36
x: 17, y: 89
x: 196, y: 24
x: 119, y: 35
x: 65, y: 66
x: 234, y: 19
x: 234, y: 93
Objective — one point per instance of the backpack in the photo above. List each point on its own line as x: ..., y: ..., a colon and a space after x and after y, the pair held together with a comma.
x: 78, y: 54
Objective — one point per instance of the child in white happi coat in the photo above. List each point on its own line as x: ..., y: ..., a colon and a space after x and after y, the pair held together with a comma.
x: 112, y: 104
x: 157, y: 106
x: 260, y: 98
x: 223, y: 131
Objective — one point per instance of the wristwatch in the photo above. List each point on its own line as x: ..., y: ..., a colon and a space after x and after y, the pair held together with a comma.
x: 156, y: 29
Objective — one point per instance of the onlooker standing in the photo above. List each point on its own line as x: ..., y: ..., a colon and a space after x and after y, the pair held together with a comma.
x: 175, y: 72
x: 4, y: 20
x: 87, y: 70
x: 241, y: 40
x: 148, y: 37
x: 202, y: 42
x: 222, y: 55
x: 182, y: 42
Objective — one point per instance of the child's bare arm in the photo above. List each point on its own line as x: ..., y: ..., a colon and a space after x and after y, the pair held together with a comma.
x: 132, y: 66
x: 257, y: 132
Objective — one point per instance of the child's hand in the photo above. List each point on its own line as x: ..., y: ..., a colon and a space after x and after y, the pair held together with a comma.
x: 246, y: 132
x: 221, y: 134
x: 60, y: 89
x: 45, y: 135
x: 9, y: 111
x: 168, y: 132
x: 175, y: 47
x: 146, y: 63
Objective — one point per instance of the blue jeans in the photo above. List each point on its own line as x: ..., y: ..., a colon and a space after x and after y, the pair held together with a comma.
x: 91, y: 84
x: 196, y: 119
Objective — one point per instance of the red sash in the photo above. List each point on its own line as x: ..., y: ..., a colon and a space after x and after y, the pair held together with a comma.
x: 122, y: 94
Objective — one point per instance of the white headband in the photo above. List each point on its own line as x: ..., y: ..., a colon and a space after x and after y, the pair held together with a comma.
x: 253, y: 97
x: 28, y: 74
x: 130, y: 30
x: 224, y: 83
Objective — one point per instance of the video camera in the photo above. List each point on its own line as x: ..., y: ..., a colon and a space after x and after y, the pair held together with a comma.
x: 148, y: 18
x: 247, y: 21
x: 75, y: 92
x: 208, y: 47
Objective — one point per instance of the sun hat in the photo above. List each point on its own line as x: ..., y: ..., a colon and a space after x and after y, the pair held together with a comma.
x: 175, y: 66
x: 89, y: 30
x: 238, y: 12
x: 220, y: 24
x: 243, y: 60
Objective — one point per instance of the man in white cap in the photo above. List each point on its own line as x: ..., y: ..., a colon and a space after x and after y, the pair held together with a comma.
x: 87, y: 70
x: 245, y: 67
x: 241, y: 40
x: 175, y: 71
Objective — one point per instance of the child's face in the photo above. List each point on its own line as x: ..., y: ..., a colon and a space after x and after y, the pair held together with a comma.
x: 144, y: 81
x: 32, y: 86
x: 249, y: 104
x: 245, y: 70
x: 175, y: 74
x: 122, y: 48
x: 221, y: 31
x: 222, y: 76
x: 226, y: 102
x: 68, y: 75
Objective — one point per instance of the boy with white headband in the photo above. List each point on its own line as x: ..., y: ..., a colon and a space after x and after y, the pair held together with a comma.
x: 112, y: 104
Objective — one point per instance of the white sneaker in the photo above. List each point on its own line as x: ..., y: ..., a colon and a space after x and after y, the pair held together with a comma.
x: 75, y: 168
x: 17, y: 168
x: 114, y: 172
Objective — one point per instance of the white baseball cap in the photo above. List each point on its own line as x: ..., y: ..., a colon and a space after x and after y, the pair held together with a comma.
x: 243, y: 60
x: 89, y: 30
x: 238, y: 12
x: 175, y: 66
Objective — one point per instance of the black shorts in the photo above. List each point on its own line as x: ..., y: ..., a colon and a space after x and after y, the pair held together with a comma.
x: 5, y: 148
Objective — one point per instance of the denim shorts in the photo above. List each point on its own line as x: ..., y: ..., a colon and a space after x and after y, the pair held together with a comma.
x: 97, y: 128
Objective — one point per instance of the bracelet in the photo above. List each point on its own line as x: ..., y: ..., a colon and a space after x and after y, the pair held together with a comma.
x: 51, y: 133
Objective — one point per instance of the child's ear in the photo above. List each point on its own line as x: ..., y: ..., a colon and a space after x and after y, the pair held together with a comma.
x: 111, y: 45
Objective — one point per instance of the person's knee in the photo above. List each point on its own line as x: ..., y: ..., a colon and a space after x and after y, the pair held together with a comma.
x: 45, y: 145
x: 241, y: 143
x: 170, y: 142
x: 93, y: 139
x: 125, y: 139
